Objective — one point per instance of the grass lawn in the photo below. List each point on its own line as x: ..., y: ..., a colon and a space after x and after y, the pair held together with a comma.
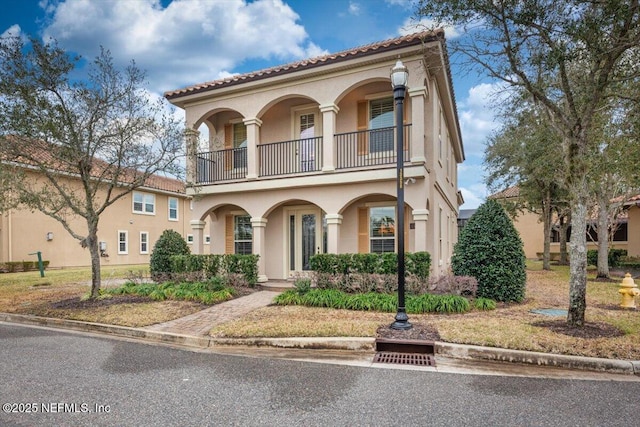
x: 58, y: 294
x: 610, y: 331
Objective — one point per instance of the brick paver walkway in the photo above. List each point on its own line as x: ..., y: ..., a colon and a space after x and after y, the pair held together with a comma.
x: 199, y: 324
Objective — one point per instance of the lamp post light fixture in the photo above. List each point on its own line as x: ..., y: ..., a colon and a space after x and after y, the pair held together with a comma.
x: 399, y: 78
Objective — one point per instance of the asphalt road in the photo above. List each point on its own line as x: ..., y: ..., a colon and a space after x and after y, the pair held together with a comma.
x: 51, y: 377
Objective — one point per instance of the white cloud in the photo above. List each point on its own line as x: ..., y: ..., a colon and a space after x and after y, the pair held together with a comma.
x: 472, y: 198
x: 185, y: 42
x: 477, y: 115
x: 12, y: 31
x: 407, y: 4
x: 354, y: 8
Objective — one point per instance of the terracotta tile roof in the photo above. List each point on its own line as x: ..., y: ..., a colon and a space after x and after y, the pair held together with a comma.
x: 508, y: 193
x: 370, y: 49
x: 38, y: 153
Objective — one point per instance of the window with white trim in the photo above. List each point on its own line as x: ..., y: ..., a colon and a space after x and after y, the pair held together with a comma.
x: 207, y: 240
x: 190, y: 239
x: 381, y: 125
x: 173, y: 209
x: 242, y: 235
x: 123, y: 242
x: 144, y: 203
x: 382, y: 229
x: 144, y: 242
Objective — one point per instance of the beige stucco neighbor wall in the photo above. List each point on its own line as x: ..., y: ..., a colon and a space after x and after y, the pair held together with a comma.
x: 23, y: 232
x: 531, y: 232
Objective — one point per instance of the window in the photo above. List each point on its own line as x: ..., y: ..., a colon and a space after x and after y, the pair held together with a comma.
x: 240, y: 141
x: 190, y: 239
x: 144, y: 203
x: 242, y: 235
x: 173, y: 209
x: 381, y: 125
x: 382, y: 229
x: 207, y: 240
x: 123, y: 242
x: 144, y: 242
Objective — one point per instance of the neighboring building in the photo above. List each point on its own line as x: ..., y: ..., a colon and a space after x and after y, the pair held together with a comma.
x: 301, y: 157
x: 530, y: 227
x: 128, y: 229
x: 463, y: 217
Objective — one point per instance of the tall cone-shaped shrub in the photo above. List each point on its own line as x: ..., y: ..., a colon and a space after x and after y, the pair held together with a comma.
x: 490, y: 249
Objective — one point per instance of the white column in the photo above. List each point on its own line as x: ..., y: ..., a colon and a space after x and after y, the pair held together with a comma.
x: 333, y: 232
x: 253, y: 137
x: 259, y: 226
x: 420, y: 218
x: 329, y: 112
x: 418, y: 97
x: 197, y: 226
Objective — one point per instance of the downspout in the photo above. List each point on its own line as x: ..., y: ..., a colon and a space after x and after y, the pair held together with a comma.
x: 10, y: 234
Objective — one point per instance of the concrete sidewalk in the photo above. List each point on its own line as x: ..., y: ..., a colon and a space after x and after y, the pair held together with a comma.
x: 199, y: 324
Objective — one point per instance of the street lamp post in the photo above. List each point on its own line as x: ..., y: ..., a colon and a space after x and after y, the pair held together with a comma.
x: 399, y: 77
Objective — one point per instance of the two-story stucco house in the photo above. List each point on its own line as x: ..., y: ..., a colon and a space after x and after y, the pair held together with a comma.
x: 301, y: 157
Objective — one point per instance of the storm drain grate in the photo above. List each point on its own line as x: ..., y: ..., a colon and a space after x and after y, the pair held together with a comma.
x: 418, y: 359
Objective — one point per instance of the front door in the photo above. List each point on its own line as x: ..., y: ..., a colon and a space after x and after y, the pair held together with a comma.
x: 304, y: 238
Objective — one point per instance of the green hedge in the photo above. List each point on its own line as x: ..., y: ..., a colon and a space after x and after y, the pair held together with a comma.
x: 18, y: 266
x: 370, y: 272
x: 206, y: 267
x: 417, y: 263
x: 614, y: 258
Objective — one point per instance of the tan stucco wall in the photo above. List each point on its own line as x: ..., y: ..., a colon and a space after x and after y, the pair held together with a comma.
x: 24, y: 232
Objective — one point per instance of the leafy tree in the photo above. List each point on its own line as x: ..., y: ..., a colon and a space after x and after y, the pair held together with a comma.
x: 522, y: 153
x: 168, y: 244
x: 84, y: 143
x: 489, y: 249
x: 570, y: 56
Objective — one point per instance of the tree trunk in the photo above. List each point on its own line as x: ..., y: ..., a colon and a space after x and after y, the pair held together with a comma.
x: 564, y: 229
x: 92, y: 243
x: 578, y: 258
x: 603, y: 237
x: 546, y: 220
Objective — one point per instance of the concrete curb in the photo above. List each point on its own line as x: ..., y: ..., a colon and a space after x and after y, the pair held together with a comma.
x: 457, y: 351
x: 472, y: 352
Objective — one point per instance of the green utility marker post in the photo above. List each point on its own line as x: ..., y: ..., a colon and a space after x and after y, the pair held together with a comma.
x: 40, y: 265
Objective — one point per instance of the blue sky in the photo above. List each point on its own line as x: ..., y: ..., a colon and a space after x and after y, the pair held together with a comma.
x: 183, y: 42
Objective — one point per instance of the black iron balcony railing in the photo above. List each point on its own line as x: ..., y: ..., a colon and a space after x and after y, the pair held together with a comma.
x: 221, y: 165
x: 290, y: 157
x: 353, y: 150
x: 370, y: 147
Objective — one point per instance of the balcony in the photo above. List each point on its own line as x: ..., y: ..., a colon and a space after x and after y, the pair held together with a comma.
x: 353, y: 150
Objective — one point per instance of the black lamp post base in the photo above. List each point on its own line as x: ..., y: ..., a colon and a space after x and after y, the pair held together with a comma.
x: 402, y: 322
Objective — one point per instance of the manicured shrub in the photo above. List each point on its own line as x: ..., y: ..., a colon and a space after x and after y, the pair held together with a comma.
x: 170, y: 243
x: 302, y: 285
x: 614, y: 257
x: 369, y: 272
x: 455, y: 285
x: 490, y: 249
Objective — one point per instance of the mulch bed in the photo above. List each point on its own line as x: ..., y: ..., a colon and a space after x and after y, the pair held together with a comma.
x: 419, y: 331
x: 589, y: 330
